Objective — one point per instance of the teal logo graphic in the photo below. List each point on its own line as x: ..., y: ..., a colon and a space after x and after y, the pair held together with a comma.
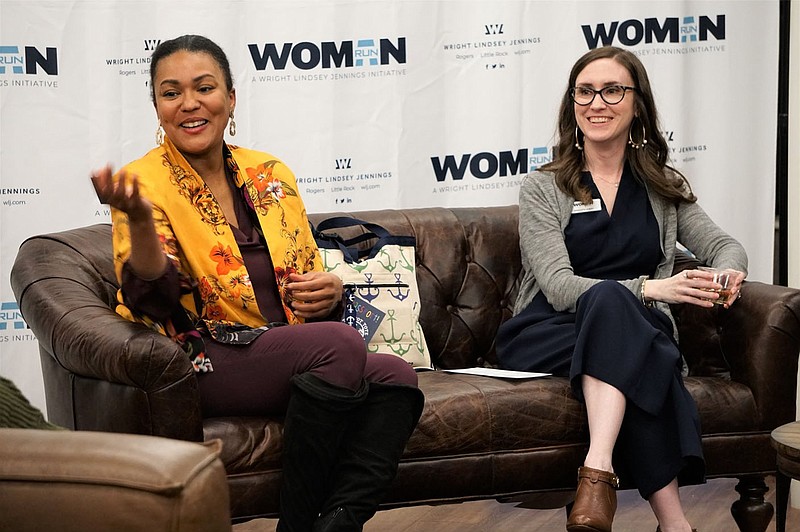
x: 689, y: 30
x: 28, y: 60
x: 540, y: 156
x: 11, y: 317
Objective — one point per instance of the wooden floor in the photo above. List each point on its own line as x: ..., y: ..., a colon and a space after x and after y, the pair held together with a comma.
x: 707, y: 507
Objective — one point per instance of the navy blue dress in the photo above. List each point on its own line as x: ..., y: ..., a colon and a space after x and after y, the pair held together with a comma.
x: 613, y: 337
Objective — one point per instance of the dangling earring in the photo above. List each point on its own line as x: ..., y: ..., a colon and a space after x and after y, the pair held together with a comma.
x: 232, y: 125
x: 633, y: 144
x: 159, y: 134
x: 578, y: 139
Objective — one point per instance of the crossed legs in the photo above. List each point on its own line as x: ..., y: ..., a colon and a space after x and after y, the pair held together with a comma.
x: 605, y: 408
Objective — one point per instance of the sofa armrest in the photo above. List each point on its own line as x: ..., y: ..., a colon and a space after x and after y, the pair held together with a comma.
x: 760, y: 338
x: 77, y: 481
x: 94, y: 341
x: 101, y: 371
x: 127, y: 378
x: 756, y: 342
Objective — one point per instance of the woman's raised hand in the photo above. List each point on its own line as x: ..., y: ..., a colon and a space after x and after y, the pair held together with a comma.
x: 121, y: 192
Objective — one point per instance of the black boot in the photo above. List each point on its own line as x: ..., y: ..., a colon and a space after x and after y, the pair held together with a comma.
x: 316, y: 420
x: 378, y: 434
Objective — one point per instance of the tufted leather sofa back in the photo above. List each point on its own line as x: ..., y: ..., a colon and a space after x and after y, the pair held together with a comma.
x: 468, y: 270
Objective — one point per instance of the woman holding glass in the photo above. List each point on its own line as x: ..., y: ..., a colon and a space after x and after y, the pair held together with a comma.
x: 598, y: 232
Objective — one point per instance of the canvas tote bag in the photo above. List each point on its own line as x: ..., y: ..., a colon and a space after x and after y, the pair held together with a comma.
x: 381, y: 298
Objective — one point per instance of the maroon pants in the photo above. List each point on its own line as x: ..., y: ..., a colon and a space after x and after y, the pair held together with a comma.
x: 253, y: 380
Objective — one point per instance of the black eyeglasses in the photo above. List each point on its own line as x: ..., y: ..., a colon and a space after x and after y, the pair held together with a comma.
x: 612, y: 95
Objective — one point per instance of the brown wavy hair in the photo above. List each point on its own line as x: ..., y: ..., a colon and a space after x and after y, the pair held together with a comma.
x: 649, y: 163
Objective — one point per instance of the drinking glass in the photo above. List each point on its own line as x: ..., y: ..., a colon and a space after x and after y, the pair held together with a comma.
x: 722, y: 277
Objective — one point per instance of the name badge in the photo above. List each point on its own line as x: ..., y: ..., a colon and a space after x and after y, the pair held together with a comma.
x: 594, y: 206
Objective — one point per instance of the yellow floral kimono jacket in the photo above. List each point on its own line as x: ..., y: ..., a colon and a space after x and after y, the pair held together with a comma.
x: 198, y: 240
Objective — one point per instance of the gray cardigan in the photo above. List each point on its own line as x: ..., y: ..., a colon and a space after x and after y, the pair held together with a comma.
x: 545, y: 211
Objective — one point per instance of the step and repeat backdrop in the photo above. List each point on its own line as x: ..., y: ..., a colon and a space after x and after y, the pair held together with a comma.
x: 375, y: 104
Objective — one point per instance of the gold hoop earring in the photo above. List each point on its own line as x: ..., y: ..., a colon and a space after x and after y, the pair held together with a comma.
x: 159, y: 134
x: 232, y: 125
x: 634, y: 144
x: 578, y: 139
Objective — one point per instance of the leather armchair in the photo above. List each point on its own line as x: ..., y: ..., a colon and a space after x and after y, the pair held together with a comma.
x: 478, y: 437
x: 79, y: 481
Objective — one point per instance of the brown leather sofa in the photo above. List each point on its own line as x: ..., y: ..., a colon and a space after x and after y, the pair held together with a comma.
x: 478, y: 437
x: 82, y: 481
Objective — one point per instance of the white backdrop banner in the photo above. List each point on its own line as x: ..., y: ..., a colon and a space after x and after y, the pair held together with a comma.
x: 387, y: 104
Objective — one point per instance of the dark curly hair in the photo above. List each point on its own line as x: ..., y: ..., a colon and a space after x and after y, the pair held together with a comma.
x: 190, y: 43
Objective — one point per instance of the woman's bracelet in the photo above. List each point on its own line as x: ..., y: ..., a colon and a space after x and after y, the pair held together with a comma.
x: 641, y: 294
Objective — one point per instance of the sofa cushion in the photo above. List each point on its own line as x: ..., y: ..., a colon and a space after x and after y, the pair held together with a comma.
x: 469, y: 414
x: 725, y: 406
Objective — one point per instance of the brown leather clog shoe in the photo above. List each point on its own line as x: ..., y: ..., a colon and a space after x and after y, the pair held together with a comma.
x: 595, y: 501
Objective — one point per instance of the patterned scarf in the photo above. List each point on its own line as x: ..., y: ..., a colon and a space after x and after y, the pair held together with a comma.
x: 196, y: 237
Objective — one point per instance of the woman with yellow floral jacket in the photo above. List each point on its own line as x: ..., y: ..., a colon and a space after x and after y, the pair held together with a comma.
x: 212, y: 247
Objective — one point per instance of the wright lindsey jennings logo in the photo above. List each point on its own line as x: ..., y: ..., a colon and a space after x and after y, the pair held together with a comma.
x: 17, y: 196
x: 134, y: 64
x: 493, y: 45
x: 348, y: 183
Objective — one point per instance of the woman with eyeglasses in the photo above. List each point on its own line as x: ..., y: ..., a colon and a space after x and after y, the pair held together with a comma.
x: 598, y: 233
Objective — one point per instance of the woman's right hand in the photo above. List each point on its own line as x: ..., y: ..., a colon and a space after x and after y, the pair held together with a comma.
x: 121, y: 193
x: 689, y: 286
x: 147, y: 259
